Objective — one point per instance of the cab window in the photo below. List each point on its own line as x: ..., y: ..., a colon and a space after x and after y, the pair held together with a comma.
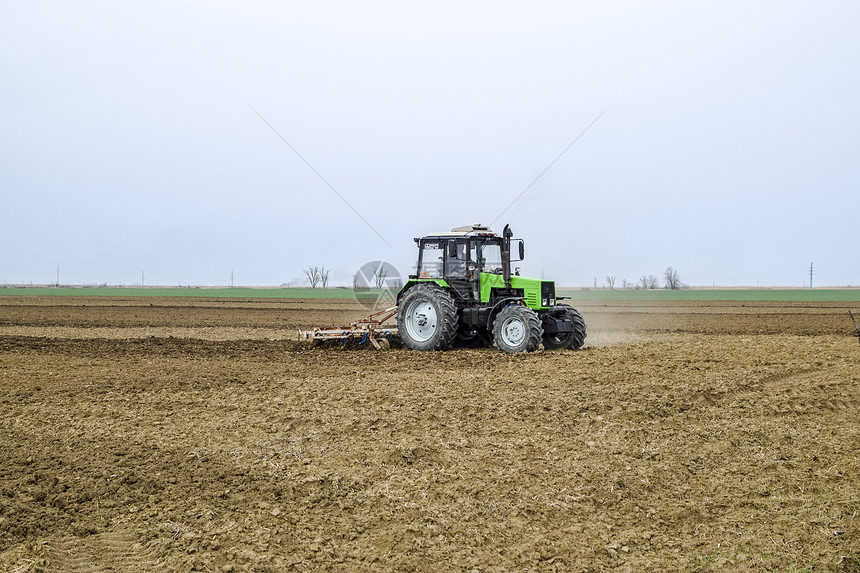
x: 432, y: 259
x: 457, y: 258
x: 489, y: 257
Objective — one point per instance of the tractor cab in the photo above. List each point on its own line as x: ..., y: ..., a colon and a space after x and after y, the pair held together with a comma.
x: 462, y: 257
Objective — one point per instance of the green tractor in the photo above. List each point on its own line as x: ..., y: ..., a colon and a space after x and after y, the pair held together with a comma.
x: 463, y: 295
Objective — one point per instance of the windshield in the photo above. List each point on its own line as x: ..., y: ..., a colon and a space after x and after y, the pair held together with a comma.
x: 489, y: 257
x: 431, y: 259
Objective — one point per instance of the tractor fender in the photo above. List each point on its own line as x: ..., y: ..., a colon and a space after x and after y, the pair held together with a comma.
x: 441, y: 283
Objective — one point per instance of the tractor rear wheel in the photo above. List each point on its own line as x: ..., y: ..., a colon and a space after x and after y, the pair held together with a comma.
x: 572, y: 340
x: 426, y: 318
x: 517, y: 329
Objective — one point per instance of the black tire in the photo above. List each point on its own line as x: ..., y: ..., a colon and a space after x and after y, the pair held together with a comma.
x: 426, y: 318
x: 517, y: 328
x: 572, y: 340
x: 578, y: 338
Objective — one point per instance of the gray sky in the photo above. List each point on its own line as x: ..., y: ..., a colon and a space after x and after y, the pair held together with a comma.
x: 129, y: 141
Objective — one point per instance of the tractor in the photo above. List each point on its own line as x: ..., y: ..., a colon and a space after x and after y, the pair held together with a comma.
x: 464, y: 295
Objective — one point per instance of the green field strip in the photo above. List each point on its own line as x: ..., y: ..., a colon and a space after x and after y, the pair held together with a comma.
x: 755, y: 295
x: 196, y: 292
x: 776, y: 295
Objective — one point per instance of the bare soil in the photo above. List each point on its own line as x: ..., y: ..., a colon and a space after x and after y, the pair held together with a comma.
x: 182, y: 435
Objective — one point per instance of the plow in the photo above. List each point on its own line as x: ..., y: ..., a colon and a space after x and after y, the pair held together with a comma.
x: 464, y: 294
x: 370, y: 329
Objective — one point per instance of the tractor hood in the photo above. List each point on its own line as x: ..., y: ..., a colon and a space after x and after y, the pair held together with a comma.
x: 538, y: 294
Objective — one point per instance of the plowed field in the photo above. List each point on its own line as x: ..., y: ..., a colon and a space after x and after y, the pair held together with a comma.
x: 177, y: 435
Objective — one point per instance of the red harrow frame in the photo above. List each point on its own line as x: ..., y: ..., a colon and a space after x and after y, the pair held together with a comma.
x: 368, y: 329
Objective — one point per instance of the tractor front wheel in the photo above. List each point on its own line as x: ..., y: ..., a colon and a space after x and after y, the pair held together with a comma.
x: 426, y: 318
x: 517, y: 329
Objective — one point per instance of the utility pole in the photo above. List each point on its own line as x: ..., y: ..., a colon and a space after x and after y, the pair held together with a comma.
x: 810, y: 276
x: 58, y: 275
x: 231, y: 279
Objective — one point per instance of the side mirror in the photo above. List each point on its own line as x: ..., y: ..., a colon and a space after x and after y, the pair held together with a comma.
x: 521, y: 250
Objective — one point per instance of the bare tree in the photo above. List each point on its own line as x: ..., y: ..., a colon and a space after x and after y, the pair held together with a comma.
x: 380, y: 275
x: 324, y: 276
x: 314, y: 276
x: 610, y: 281
x: 648, y: 282
x: 672, y: 279
x: 627, y: 284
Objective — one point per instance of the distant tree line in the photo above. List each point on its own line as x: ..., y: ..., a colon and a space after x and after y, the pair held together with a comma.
x: 317, y: 276
x: 379, y: 279
x: 671, y: 281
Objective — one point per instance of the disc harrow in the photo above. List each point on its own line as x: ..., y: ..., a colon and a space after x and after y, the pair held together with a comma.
x: 370, y: 329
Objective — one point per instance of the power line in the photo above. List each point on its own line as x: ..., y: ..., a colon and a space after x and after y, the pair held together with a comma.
x: 323, y: 179
x: 551, y: 163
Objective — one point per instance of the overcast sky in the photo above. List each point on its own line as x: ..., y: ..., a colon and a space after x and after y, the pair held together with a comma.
x: 131, y: 145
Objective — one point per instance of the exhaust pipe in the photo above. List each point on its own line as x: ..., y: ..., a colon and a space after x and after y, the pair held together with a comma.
x: 506, y: 255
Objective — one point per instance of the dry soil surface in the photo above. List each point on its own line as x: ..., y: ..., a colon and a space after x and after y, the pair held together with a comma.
x: 180, y: 435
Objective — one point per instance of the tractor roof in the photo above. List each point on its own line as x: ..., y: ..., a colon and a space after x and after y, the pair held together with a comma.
x: 476, y: 230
